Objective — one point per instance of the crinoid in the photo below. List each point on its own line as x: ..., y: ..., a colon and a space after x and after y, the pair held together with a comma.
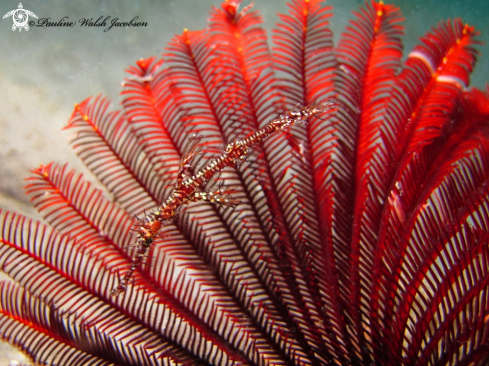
x: 361, y: 236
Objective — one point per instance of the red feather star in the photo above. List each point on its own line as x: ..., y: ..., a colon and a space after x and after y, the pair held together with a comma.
x: 361, y: 237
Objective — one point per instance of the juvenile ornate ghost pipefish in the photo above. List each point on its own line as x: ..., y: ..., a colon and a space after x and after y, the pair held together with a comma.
x: 189, y: 189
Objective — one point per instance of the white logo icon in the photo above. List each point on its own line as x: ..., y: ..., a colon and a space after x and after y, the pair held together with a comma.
x: 20, y: 17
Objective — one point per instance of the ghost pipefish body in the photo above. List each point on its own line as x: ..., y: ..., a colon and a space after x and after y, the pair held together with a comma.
x: 190, y: 189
